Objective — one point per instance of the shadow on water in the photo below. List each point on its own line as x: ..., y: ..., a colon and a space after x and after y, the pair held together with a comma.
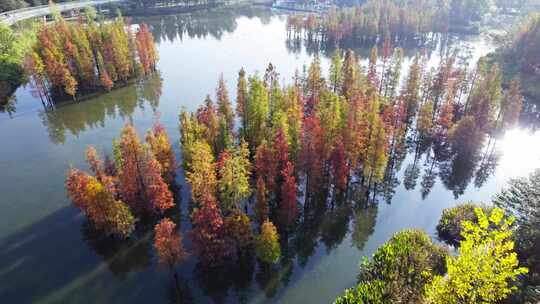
x: 121, y: 256
x: 39, y: 259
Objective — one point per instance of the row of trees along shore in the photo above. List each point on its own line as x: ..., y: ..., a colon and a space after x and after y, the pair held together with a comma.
x: 285, y: 149
x: 376, y: 19
x: 74, y: 58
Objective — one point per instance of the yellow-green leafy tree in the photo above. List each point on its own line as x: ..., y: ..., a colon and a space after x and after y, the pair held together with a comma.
x: 234, y: 173
x: 267, y: 243
x: 485, y: 267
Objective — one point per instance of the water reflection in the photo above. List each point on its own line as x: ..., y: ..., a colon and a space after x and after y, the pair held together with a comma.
x: 201, y: 24
x: 122, y: 256
x: 10, y: 106
x: 120, y: 103
x: 364, y: 225
x: 432, y: 45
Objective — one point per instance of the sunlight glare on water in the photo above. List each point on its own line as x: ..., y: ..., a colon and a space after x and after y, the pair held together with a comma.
x: 520, y: 149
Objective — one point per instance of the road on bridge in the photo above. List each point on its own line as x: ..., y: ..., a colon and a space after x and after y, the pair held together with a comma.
x: 31, y: 12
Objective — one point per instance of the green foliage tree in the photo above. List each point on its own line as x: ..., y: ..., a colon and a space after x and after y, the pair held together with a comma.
x: 257, y: 113
x: 191, y: 131
x: 12, y: 50
x: 234, y: 173
x: 450, y: 227
x: 336, y: 74
x: 267, y: 243
x: 424, y: 122
x: 202, y: 174
x: 366, y: 292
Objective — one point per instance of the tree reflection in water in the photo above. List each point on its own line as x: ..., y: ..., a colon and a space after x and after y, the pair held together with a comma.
x: 76, y: 118
x: 9, y: 106
x: 201, y: 24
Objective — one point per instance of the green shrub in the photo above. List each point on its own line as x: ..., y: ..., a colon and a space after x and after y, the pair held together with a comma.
x: 449, y: 227
x: 398, y: 271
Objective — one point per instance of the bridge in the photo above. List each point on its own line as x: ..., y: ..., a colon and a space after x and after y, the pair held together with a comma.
x: 11, y: 17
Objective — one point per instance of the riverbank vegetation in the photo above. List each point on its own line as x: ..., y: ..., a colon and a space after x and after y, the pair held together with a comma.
x: 409, y: 268
x: 395, y: 20
x: 13, y: 46
x: 491, y: 242
x: 170, y: 3
x: 71, y: 59
x: 520, y: 56
x: 521, y: 199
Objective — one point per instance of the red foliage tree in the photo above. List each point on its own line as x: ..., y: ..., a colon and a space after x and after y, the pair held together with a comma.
x: 140, y: 182
x: 281, y: 150
x: 288, y: 204
x: 265, y: 166
x: 146, y: 49
x: 312, y: 153
x: 340, y: 167
x: 208, y: 116
x: 261, y: 201
x: 168, y: 243
x: 99, y: 204
x: 446, y: 116
x: 208, y: 233
x: 157, y: 191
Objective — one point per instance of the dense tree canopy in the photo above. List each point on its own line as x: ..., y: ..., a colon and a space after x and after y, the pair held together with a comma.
x: 389, y: 20
x: 73, y: 57
x: 332, y: 138
x: 409, y: 268
x: 131, y: 185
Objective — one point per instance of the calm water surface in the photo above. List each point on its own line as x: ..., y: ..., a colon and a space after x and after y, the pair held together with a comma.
x: 48, y: 254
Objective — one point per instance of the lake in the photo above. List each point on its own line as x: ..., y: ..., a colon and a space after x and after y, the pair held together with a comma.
x: 48, y: 253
